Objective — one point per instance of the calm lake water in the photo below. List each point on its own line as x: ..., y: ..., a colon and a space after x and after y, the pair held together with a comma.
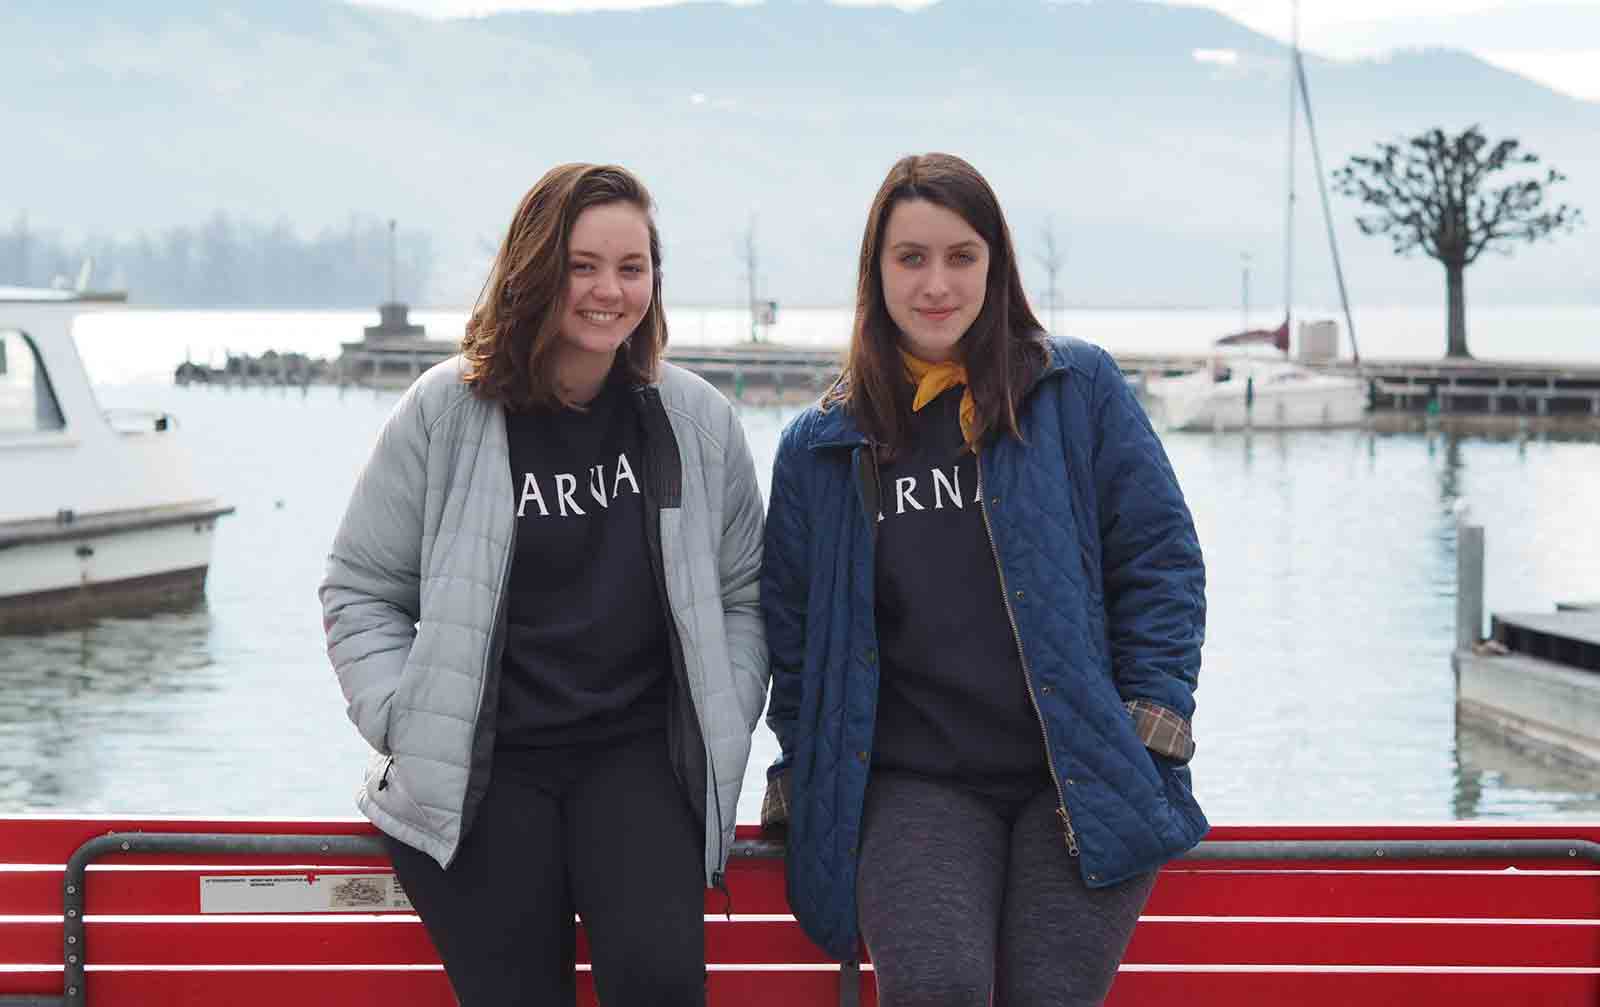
x: 1326, y: 693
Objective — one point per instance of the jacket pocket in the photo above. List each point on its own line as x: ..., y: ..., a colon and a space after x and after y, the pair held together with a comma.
x: 386, y: 787
x: 1177, y: 789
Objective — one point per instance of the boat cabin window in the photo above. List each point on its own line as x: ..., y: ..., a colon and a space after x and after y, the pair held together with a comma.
x: 27, y: 402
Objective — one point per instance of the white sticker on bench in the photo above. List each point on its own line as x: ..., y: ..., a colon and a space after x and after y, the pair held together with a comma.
x: 301, y: 893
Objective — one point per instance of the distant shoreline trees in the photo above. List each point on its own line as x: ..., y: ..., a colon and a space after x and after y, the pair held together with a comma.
x: 229, y: 262
x: 1436, y: 193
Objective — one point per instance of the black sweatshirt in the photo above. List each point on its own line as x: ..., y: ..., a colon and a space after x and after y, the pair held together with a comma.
x: 952, y: 702
x: 586, y: 651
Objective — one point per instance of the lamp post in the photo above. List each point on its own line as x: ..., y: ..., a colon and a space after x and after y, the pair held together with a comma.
x: 1244, y: 301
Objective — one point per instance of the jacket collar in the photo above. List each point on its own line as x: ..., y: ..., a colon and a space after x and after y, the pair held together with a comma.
x: 1061, y: 359
x: 836, y: 428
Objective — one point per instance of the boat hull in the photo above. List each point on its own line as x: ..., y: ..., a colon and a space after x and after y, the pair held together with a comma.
x: 174, y: 590
x: 1283, y: 397
x: 72, y: 573
x: 1304, y: 410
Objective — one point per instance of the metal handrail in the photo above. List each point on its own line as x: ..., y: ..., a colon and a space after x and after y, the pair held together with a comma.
x: 74, y: 883
x: 1397, y: 849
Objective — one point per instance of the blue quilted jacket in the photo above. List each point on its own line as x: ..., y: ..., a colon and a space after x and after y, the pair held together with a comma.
x: 1106, y: 587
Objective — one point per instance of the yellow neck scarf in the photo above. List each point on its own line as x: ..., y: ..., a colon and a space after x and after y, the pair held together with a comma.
x: 932, y: 380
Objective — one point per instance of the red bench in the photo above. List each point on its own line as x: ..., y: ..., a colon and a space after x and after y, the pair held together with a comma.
x: 1461, y: 914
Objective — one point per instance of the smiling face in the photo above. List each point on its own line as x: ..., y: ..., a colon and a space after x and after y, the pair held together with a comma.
x: 609, y: 279
x: 935, y: 274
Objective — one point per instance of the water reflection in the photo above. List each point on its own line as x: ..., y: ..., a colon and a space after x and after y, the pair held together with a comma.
x: 1497, y: 778
x: 1326, y: 692
x: 67, y: 690
x: 1449, y: 472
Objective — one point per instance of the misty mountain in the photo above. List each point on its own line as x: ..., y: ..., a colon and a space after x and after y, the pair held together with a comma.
x: 1157, y: 166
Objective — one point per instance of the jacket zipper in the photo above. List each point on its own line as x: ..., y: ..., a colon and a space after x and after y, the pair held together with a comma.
x: 1027, y: 678
x: 490, y: 660
x: 872, y: 503
x: 679, y: 665
x: 497, y: 638
x: 877, y: 498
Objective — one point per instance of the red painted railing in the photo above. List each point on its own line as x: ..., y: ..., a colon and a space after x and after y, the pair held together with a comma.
x: 1458, y: 914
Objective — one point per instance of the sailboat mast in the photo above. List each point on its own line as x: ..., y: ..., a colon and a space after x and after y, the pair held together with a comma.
x: 1288, y: 226
x: 1327, y: 211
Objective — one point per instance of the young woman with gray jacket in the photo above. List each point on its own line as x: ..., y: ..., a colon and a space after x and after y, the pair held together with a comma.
x: 542, y: 608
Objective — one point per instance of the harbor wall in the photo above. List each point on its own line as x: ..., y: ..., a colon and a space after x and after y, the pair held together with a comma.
x: 1538, y: 706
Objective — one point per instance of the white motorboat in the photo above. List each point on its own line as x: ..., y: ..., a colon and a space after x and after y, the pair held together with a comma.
x: 99, y: 513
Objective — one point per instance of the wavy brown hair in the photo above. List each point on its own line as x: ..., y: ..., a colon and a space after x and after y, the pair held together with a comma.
x: 516, y: 323
x: 1002, y: 350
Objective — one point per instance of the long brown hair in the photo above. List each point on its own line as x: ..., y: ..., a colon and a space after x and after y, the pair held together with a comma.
x: 515, y: 324
x: 1002, y: 350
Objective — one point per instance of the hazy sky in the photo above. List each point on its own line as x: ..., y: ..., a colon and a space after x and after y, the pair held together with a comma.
x: 1567, y: 65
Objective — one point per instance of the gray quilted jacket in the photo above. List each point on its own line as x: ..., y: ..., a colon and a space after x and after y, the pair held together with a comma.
x: 413, y: 601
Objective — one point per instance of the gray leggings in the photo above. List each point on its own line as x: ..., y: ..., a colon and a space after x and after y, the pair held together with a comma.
x: 962, y: 897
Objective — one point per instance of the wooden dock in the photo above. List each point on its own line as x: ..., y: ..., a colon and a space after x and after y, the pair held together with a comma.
x: 1481, y: 387
x: 1496, y: 393
x: 1472, y: 394
x: 763, y: 373
x: 1569, y: 637
x: 770, y: 371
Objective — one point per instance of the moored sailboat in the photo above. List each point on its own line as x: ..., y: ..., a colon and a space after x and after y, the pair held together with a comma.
x: 1241, y: 390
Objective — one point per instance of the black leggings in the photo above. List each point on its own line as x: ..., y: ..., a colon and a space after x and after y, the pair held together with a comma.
x: 603, y: 832
x: 961, y: 896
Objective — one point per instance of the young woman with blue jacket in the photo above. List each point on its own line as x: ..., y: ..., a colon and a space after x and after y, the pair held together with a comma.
x: 984, y: 603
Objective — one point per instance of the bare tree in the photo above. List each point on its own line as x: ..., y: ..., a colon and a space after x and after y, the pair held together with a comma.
x: 1437, y: 193
x: 1052, y: 257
